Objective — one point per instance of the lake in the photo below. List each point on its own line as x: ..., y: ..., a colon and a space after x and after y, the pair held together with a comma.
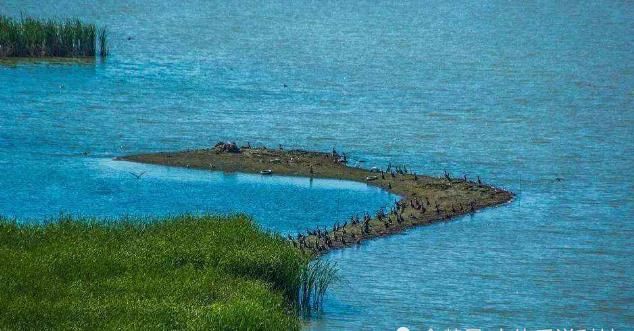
x: 536, y: 97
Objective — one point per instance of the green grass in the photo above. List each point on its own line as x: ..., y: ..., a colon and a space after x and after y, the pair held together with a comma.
x: 30, y: 37
x: 315, y: 279
x: 184, y: 272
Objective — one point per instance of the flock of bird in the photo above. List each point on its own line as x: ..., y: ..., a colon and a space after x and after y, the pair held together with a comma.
x: 403, y: 213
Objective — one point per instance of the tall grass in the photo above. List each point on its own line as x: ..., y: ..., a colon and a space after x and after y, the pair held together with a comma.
x: 104, y: 50
x: 30, y: 37
x: 316, y: 277
x: 185, y: 272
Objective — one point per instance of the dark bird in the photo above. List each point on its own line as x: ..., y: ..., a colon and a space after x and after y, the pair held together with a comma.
x: 447, y: 175
x: 139, y: 175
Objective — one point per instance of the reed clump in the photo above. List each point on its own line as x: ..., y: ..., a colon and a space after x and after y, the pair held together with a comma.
x: 182, y: 272
x: 316, y: 277
x: 31, y: 37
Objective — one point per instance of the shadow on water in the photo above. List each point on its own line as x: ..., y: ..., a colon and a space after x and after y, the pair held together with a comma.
x: 30, y: 61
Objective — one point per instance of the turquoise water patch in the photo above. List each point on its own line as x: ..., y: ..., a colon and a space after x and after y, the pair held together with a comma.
x: 109, y: 188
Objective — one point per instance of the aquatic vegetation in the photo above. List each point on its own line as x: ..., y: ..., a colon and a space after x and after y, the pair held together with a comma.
x: 316, y: 277
x: 31, y: 37
x: 194, y: 272
x: 104, y: 50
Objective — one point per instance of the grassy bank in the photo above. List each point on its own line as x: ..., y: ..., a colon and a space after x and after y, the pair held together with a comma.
x: 220, y: 273
x: 30, y: 37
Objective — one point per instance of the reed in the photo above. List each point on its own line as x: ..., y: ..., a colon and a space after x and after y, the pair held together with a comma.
x: 31, y: 37
x: 316, y: 278
x: 104, y: 49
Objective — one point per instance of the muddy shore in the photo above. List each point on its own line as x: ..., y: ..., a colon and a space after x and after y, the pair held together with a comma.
x: 424, y: 199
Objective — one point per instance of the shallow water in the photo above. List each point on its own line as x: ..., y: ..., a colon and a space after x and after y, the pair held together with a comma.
x: 518, y: 93
x: 106, y: 188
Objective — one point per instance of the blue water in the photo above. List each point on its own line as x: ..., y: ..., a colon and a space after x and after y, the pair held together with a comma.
x: 520, y: 93
x: 102, y: 187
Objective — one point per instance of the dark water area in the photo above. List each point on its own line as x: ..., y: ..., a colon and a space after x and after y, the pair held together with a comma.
x: 519, y: 93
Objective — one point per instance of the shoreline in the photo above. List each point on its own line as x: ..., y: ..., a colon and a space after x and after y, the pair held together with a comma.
x: 424, y: 199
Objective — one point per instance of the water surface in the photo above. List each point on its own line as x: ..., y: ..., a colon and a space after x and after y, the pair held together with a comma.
x: 520, y: 93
